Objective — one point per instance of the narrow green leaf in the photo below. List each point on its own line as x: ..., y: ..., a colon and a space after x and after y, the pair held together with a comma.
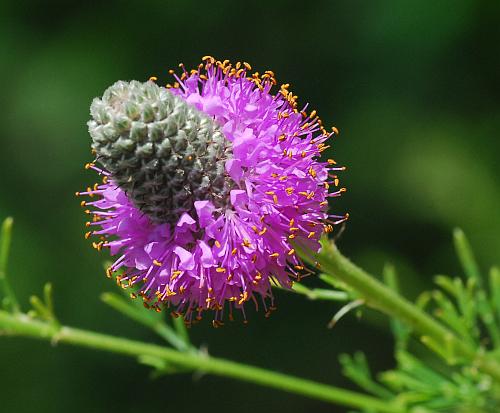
x: 47, y: 295
x: 145, y: 318
x: 181, y: 329
x: 465, y: 255
x: 399, y: 330
x: 357, y: 370
x: 494, y: 281
x: 8, y: 301
x: 447, y: 312
x: 40, y: 309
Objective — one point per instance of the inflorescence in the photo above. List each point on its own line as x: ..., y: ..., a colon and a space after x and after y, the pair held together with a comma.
x: 208, y: 186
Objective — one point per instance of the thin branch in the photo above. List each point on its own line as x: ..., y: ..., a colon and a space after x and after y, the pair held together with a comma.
x: 22, y: 325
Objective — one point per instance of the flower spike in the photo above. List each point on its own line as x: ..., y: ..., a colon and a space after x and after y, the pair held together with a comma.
x: 208, y: 184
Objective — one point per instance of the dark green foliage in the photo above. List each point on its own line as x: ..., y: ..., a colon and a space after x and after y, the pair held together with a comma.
x: 421, y: 382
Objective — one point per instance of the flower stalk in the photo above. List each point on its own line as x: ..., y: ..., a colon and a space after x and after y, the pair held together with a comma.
x: 23, y: 325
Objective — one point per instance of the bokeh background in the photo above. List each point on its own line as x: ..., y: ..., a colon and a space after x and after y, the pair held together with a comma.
x: 414, y: 88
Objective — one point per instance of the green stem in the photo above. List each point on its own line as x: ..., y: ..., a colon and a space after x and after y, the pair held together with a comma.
x: 9, y: 300
x: 148, y: 320
x: 381, y: 297
x: 22, y: 325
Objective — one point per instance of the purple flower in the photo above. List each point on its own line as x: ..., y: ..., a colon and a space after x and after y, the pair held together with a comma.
x: 217, y: 227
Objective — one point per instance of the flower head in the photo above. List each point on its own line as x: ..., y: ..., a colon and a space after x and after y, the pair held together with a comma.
x: 208, y: 185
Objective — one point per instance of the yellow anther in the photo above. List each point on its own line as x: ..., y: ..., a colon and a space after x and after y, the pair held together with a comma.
x: 234, y: 251
x: 291, y: 252
x: 291, y: 236
x: 157, y: 263
x: 331, y: 162
x: 243, y: 298
x: 153, y: 78
x: 264, y: 230
x: 289, y: 190
x: 220, y: 269
x: 311, y: 234
x: 274, y: 255
x: 97, y: 245
x: 217, y: 244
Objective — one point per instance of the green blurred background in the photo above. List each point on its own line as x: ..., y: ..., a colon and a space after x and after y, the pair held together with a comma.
x: 414, y: 88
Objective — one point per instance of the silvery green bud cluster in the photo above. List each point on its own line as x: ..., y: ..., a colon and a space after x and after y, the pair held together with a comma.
x: 163, y: 152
